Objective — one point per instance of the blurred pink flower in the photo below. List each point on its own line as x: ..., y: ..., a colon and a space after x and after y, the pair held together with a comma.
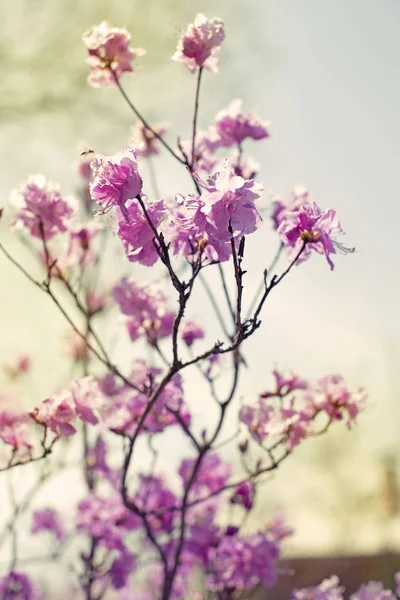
x: 199, y: 46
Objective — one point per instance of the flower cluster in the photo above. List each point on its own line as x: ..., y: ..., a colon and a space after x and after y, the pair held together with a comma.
x: 109, y: 54
x: 199, y: 46
x: 41, y: 209
x: 146, y: 308
x: 299, y: 403
x: 83, y: 400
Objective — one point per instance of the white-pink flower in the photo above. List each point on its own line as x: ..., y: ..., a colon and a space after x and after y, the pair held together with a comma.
x: 198, y: 47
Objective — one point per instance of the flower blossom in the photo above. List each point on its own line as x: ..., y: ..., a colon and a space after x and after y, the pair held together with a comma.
x: 83, y: 400
x: 18, y: 586
x: 244, y: 494
x: 116, y: 180
x: 225, y: 210
x: 240, y: 563
x: 337, y: 399
x: 136, y: 233
x: 109, y: 53
x: 14, y: 429
x: 40, y: 208
x: 307, y: 228
x: 286, y: 384
x: 329, y: 589
x: 152, y: 495
x: 149, y: 143
x: 198, y: 47
x: 81, y: 241
x: 146, y: 308
x: 233, y: 126
x: 373, y: 590
x: 191, y: 331
x: 48, y: 520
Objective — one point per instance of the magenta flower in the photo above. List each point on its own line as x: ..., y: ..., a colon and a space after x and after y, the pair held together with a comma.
x: 122, y: 566
x: 109, y: 53
x: 329, y: 589
x: 147, y: 309
x: 56, y: 413
x: 149, y: 143
x: 244, y: 494
x: 152, y: 495
x: 88, y: 399
x: 199, y: 46
x: 337, y: 399
x: 106, y: 519
x: 136, y: 233
x: 225, y: 210
x: 257, y: 419
x: 240, y: 563
x: 18, y: 586
x: 40, y: 208
x: 191, y: 331
x: 48, y: 520
x: 233, y: 126
x: 307, y: 225
x: 212, y: 475
x: 116, y: 180
x: 204, y: 160
x: 14, y: 429
x: 81, y: 241
x: 286, y: 384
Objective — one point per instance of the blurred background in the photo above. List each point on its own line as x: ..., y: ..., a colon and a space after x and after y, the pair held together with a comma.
x: 326, y: 75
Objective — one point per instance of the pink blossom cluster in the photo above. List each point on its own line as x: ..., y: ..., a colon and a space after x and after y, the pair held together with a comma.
x: 40, y: 208
x: 146, y: 308
x: 330, y: 589
x: 82, y: 400
x: 293, y: 417
x: 110, y: 54
x: 199, y: 46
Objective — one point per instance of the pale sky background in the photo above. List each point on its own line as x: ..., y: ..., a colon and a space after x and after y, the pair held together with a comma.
x: 326, y: 73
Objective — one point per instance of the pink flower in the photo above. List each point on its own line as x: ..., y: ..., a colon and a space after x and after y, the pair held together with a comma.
x: 225, y: 210
x: 147, y: 309
x: 88, y: 398
x: 337, y: 399
x: 109, y: 52
x: 308, y: 225
x: 232, y: 127
x: 199, y: 46
x: 257, y: 419
x: 14, y: 429
x: 204, y: 160
x: 241, y: 563
x: 116, y: 180
x: 40, y: 208
x: 152, y: 495
x: 149, y: 143
x: 18, y: 586
x: 48, y: 520
x: 56, y: 413
x: 244, y: 494
x: 136, y: 233
x: 329, y: 589
x: 286, y: 384
x: 373, y: 590
x: 81, y: 241
x: 191, y: 331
